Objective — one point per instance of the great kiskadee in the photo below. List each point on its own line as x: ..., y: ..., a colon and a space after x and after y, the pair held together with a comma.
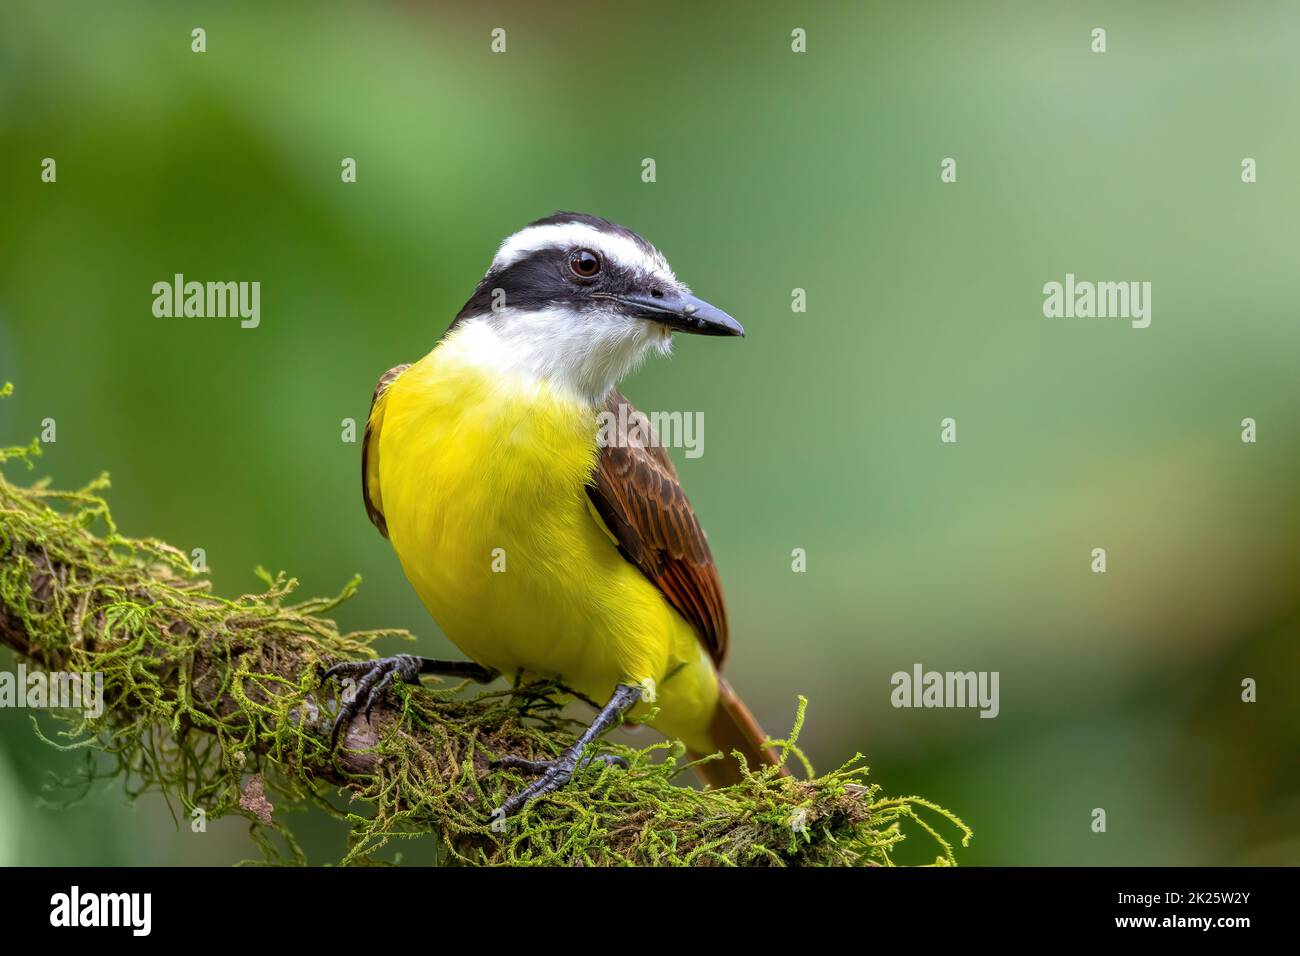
x: 537, y: 547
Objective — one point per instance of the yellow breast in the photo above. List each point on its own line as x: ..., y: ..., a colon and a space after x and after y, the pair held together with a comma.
x: 483, y: 474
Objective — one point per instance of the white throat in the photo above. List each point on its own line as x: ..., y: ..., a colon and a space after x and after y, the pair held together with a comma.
x: 583, y: 354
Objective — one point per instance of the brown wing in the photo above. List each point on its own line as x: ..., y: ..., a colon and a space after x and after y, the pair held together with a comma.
x: 370, y: 450
x: 635, y: 491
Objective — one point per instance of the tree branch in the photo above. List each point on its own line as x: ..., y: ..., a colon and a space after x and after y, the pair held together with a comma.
x: 209, y: 699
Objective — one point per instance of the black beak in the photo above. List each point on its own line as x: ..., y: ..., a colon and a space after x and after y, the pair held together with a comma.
x: 682, y: 312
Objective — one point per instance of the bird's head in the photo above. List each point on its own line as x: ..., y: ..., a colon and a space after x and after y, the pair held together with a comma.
x: 579, y: 300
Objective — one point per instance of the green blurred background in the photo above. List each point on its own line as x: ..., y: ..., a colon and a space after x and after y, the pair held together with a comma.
x: 775, y: 171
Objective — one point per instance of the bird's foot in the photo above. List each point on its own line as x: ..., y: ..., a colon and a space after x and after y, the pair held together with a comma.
x: 552, y: 775
x: 369, y: 681
x: 371, y: 678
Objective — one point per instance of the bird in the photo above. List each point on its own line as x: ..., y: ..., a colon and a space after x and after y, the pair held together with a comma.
x: 539, y: 545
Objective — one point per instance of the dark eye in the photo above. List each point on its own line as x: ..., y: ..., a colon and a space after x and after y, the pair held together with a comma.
x: 584, y: 263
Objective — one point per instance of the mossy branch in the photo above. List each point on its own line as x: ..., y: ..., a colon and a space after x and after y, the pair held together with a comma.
x: 217, y: 703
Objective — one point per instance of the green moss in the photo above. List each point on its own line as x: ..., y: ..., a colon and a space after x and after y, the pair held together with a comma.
x: 202, y: 693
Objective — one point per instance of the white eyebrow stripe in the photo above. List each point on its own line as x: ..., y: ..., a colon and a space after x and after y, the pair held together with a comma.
x: 619, y: 249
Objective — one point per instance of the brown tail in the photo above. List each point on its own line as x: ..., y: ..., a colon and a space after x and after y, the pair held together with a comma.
x: 734, y: 728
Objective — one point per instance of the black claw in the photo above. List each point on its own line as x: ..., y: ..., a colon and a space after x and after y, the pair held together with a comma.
x: 553, y: 775
x: 522, y: 763
x: 373, y: 678
x: 377, y: 691
x: 556, y: 775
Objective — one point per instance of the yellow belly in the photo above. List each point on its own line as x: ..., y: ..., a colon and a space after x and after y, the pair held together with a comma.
x: 483, y: 481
